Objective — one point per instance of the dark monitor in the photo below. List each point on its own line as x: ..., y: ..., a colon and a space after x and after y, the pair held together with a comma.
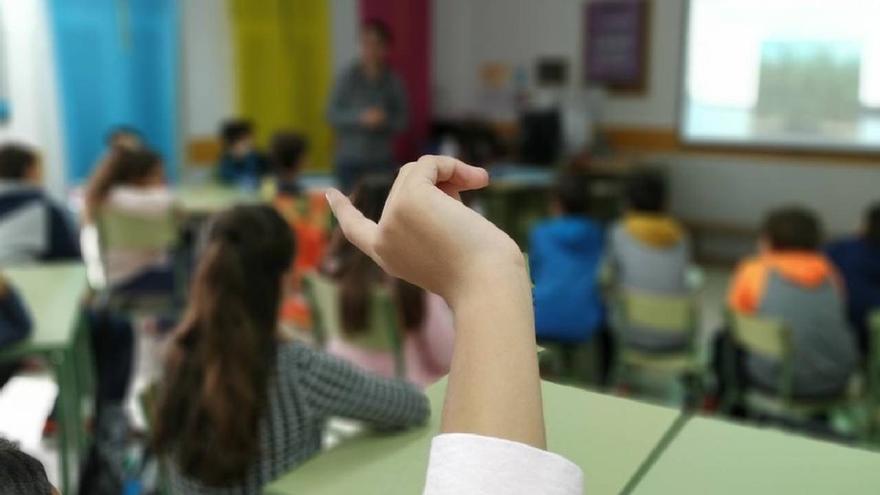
x: 541, y: 136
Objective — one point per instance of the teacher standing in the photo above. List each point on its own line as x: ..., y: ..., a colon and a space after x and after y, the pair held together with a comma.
x: 367, y: 109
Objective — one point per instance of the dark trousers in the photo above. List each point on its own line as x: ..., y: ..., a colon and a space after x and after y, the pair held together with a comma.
x: 350, y: 172
x: 113, y: 334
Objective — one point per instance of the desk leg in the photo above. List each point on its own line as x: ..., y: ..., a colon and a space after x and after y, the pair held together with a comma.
x: 85, y: 378
x: 65, y: 417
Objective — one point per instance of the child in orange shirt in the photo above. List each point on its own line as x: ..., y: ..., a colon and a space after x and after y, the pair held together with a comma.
x: 791, y: 280
x: 307, y: 218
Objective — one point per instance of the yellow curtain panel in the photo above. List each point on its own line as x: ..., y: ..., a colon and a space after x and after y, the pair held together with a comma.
x: 283, y: 69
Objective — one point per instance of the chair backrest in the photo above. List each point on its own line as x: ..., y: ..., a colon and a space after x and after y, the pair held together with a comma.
x: 874, y: 353
x: 767, y: 337
x: 383, y: 326
x: 672, y: 314
x: 118, y: 229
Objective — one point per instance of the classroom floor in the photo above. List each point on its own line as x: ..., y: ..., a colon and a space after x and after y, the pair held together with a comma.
x: 27, y: 399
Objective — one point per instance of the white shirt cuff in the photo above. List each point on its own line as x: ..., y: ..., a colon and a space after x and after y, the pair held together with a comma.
x: 465, y: 464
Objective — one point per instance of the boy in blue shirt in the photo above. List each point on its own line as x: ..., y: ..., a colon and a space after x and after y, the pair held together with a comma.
x: 565, y: 254
x: 858, y: 261
x: 241, y: 163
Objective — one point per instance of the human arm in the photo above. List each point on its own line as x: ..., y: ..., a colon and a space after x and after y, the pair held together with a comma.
x: 336, y: 388
x: 492, y: 429
x: 747, y: 288
x: 494, y: 389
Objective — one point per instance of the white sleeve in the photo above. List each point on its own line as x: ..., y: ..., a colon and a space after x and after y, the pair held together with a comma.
x: 465, y: 464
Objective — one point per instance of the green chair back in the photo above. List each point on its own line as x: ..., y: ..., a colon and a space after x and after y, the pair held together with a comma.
x: 766, y: 337
x: 771, y: 339
x: 123, y: 230
x: 663, y: 313
x: 874, y: 376
x: 383, y: 329
x: 874, y: 354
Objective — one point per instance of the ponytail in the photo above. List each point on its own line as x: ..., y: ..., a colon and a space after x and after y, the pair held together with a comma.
x: 223, y: 354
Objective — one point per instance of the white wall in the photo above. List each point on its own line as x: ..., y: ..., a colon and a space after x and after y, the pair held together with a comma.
x: 658, y: 106
x: 731, y: 188
x: 35, y: 117
x: 208, y: 82
x: 345, y: 22
x: 469, y: 33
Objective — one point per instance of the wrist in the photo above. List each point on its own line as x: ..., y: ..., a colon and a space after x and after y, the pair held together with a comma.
x: 503, y: 275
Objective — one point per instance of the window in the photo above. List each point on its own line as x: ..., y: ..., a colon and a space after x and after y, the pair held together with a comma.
x: 786, y: 73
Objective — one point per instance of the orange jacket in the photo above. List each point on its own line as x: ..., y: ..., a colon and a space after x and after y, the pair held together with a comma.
x: 805, y: 268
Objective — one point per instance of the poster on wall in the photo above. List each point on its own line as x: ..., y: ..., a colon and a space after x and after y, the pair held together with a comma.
x: 615, y: 44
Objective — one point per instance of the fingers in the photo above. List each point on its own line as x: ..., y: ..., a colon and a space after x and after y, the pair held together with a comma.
x: 358, y: 229
x: 445, y: 169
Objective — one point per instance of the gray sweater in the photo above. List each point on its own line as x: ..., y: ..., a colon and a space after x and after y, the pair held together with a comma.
x: 309, y: 388
x: 354, y: 93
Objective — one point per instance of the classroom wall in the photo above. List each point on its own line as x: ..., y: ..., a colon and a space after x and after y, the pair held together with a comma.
x: 208, y: 72
x: 721, y: 187
x: 33, y: 95
x: 208, y: 92
x: 345, y: 20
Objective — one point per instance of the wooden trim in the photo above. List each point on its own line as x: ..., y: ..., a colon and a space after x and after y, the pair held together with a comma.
x: 666, y: 140
x: 203, y: 151
x: 641, y: 138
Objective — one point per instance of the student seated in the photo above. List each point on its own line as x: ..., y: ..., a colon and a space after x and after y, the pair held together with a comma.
x: 425, y: 318
x: 132, y: 182
x: 287, y: 155
x: 858, y: 260
x: 32, y: 226
x: 122, y: 138
x: 22, y: 474
x: 240, y: 405
x: 240, y: 164
x: 492, y: 437
x: 15, y: 325
x: 791, y: 280
x: 564, y: 257
x: 648, y: 251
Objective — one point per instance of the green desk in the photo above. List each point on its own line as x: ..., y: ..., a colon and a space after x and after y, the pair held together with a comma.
x: 607, y: 436
x: 717, y: 457
x: 209, y: 199
x: 53, y: 293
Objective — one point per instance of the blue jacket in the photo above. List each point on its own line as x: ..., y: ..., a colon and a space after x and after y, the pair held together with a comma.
x: 859, y: 263
x: 245, y: 171
x: 15, y: 323
x: 564, y: 258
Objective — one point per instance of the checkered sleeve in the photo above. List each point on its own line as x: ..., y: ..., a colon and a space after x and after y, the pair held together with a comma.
x: 336, y: 388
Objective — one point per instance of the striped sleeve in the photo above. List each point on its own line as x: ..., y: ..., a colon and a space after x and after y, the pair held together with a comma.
x: 336, y: 388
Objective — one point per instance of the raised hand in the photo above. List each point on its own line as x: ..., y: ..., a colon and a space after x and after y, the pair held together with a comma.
x: 426, y: 235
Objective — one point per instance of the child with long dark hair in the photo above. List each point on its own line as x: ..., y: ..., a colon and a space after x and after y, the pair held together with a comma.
x: 425, y: 318
x: 241, y: 405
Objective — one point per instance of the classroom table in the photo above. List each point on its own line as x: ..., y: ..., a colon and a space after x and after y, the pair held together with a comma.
x: 608, y: 437
x: 718, y: 457
x: 203, y: 200
x: 53, y: 293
